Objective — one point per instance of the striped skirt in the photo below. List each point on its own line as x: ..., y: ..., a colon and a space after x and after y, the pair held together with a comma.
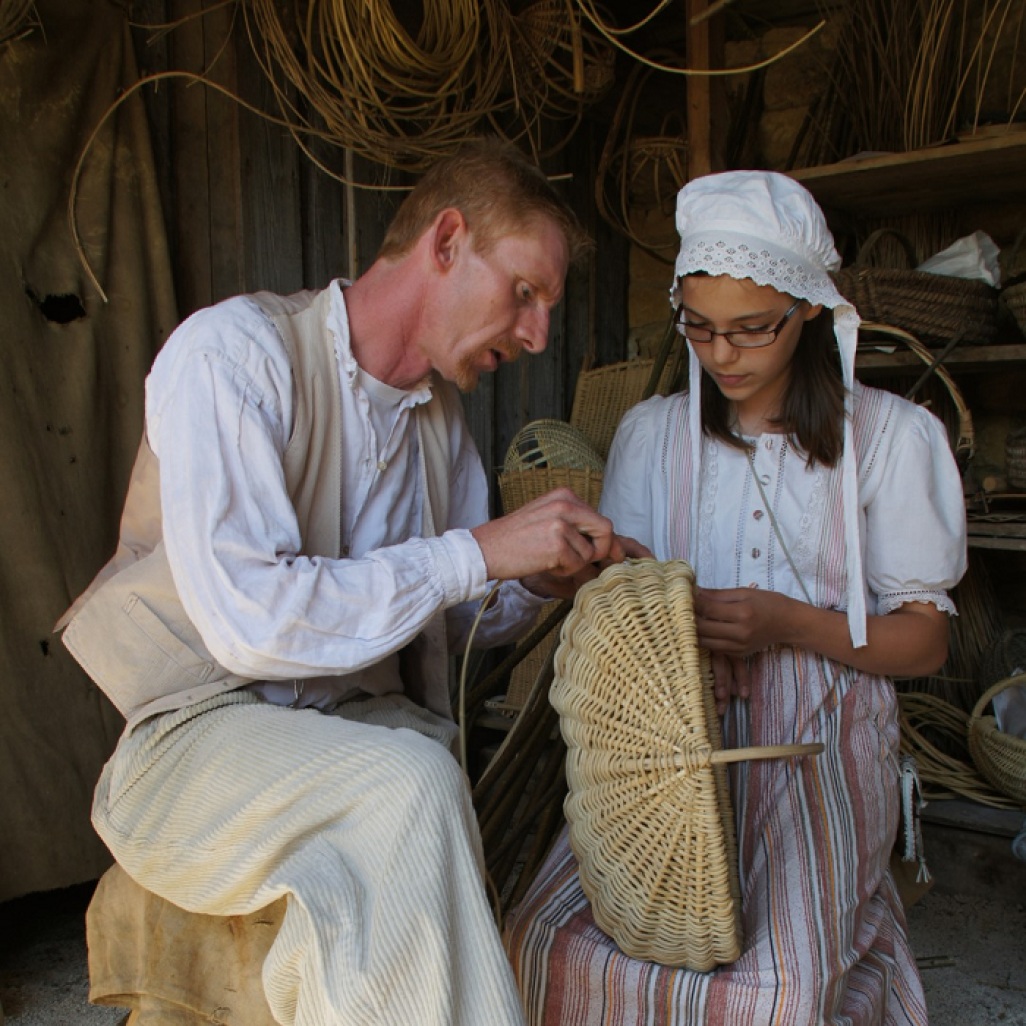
x: 824, y: 929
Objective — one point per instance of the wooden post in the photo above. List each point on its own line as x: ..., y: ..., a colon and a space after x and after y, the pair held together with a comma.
x: 705, y: 99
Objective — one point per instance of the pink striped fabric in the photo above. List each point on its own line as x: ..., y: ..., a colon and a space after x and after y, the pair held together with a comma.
x: 825, y: 938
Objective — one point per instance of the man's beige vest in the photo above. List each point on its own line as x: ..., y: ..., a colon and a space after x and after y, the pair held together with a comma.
x: 129, y: 630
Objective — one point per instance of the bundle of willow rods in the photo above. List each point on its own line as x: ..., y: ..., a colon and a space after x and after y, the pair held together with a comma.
x: 394, y: 98
x: 559, y: 67
x: 15, y: 18
x: 628, y: 156
x: 935, y: 733
x: 908, y: 72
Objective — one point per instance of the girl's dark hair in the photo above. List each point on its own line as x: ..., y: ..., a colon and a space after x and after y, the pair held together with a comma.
x: 812, y: 413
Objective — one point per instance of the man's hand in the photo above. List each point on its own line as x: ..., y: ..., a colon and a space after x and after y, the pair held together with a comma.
x: 555, y: 544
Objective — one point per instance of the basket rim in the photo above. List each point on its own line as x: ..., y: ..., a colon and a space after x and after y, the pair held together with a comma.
x: 977, y: 720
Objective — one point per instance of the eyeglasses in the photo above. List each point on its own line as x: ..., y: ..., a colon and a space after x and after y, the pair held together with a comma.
x: 741, y: 339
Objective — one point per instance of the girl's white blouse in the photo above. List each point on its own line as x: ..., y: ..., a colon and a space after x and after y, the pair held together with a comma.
x: 912, y: 512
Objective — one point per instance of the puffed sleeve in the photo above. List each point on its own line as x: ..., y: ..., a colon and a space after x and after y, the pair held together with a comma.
x: 915, y: 515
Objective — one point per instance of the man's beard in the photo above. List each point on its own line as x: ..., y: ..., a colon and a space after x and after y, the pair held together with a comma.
x: 467, y: 372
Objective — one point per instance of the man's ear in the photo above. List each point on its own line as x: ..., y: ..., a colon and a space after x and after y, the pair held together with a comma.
x: 448, y: 234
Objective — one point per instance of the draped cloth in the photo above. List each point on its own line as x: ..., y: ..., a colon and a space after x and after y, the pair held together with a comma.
x: 71, y: 409
x: 360, y: 818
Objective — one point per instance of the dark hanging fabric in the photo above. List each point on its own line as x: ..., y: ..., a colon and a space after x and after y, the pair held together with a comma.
x: 71, y: 409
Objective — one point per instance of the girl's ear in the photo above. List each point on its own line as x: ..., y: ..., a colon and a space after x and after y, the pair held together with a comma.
x: 814, y: 311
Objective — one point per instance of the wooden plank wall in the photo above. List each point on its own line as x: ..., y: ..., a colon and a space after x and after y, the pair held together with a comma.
x: 246, y: 210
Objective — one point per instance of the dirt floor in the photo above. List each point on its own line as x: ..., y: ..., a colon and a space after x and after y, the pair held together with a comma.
x: 973, y: 951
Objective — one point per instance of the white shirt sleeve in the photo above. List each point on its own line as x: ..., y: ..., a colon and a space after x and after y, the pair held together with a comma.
x: 219, y: 406
x: 632, y: 493
x: 515, y: 607
x: 915, y: 515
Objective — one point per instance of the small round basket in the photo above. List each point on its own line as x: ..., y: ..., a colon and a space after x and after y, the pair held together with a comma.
x: 649, y: 805
x: 547, y: 454
x: 551, y: 443
x: 1000, y: 757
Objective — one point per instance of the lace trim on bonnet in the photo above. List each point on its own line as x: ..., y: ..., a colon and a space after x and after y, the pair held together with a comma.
x: 740, y: 260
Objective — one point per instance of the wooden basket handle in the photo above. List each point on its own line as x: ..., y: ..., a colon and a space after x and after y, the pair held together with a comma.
x: 765, y: 752
x: 984, y: 700
x: 875, y: 237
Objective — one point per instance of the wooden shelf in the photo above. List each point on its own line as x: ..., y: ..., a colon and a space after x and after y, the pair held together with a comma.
x: 989, y: 169
x: 1008, y: 535
x: 986, y: 541
x: 876, y: 356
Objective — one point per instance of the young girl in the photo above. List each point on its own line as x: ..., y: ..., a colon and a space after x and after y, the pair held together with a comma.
x: 825, y: 523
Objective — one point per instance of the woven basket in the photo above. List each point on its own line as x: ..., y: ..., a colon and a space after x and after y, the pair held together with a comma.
x: 933, y: 306
x: 649, y: 806
x: 547, y: 454
x: 518, y: 487
x: 1015, y: 459
x: 1000, y: 757
x: 551, y: 443
x: 1013, y: 294
x: 604, y: 394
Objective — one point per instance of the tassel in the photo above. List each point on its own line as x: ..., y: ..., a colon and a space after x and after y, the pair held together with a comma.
x: 912, y: 805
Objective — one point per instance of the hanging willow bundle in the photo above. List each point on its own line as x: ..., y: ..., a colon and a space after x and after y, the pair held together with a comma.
x: 640, y: 172
x: 558, y: 66
x: 393, y: 96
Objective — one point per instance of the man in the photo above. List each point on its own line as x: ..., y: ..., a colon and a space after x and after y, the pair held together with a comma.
x: 304, y: 540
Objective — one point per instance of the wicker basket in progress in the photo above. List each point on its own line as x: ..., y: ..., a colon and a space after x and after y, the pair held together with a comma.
x: 649, y: 807
x: 1000, y: 757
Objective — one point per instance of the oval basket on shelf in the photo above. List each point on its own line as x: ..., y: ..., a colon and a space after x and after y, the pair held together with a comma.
x: 933, y: 307
x: 649, y: 807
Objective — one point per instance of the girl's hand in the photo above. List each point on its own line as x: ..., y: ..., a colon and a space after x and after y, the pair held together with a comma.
x: 731, y: 677
x: 741, y: 621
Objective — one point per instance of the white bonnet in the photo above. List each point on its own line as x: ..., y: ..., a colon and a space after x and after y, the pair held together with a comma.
x: 767, y: 227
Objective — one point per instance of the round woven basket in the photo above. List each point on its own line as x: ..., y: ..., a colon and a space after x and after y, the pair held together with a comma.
x: 551, y: 443
x: 649, y: 806
x: 932, y: 306
x: 1000, y: 757
x: 548, y: 454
